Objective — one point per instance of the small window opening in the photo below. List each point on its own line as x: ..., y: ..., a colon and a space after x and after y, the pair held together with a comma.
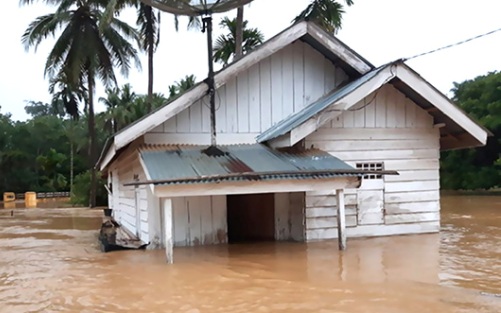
x: 373, y: 167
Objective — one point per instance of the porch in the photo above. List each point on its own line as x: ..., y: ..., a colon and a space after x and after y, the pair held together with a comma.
x: 252, y: 179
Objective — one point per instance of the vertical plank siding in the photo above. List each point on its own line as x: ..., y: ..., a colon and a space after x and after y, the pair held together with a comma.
x: 259, y: 97
x: 199, y: 221
x: 289, y: 216
x: 385, y: 127
x: 124, y: 197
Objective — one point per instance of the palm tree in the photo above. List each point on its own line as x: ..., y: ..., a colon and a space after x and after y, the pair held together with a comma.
x: 70, y: 96
x: 118, y: 102
x: 148, y: 21
x: 83, y: 52
x: 325, y: 13
x: 179, y: 87
x: 225, y: 46
x: 239, y: 33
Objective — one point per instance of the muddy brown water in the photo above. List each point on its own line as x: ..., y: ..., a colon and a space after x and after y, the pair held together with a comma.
x: 50, y: 262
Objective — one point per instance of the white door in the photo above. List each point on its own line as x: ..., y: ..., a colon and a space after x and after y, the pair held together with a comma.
x: 138, y: 212
x: 370, y: 202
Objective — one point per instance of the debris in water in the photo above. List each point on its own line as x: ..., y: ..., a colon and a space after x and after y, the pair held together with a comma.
x: 113, y: 237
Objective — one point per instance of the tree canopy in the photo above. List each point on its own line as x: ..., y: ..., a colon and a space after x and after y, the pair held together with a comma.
x: 477, y: 168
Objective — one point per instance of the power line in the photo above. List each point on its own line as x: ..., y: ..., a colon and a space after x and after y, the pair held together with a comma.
x: 452, y: 45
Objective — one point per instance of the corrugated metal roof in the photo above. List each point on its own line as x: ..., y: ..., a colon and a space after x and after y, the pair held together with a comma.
x: 189, y: 164
x: 293, y: 121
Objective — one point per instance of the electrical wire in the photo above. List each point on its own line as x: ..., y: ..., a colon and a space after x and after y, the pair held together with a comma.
x: 366, y: 104
x: 452, y: 45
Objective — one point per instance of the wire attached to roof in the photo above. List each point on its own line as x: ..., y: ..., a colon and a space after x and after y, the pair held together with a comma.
x: 452, y: 45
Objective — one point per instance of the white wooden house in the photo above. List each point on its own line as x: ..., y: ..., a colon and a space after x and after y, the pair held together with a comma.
x: 300, y: 118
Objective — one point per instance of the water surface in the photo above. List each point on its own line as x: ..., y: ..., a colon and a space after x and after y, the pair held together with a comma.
x: 50, y: 262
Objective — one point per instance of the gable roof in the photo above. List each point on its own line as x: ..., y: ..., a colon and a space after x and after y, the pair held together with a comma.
x: 457, y: 129
x: 331, y: 47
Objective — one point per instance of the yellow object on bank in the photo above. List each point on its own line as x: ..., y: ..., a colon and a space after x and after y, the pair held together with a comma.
x: 9, y: 200
x: 30, y: 199
x: 9, y: 197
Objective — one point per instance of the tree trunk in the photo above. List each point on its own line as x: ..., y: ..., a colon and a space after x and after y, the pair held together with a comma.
x: 71, y: 168
x: 239, y: 36
x: 151, y: 52
x: 92, y: 139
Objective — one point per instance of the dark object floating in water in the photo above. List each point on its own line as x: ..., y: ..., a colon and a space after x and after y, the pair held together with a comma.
x: 107, y: 212
x: 113, y: 237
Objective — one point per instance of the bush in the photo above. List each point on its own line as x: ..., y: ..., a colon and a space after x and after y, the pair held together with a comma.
x: 81, y: 190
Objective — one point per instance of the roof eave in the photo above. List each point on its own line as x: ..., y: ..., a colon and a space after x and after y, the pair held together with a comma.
x: 443, y: 104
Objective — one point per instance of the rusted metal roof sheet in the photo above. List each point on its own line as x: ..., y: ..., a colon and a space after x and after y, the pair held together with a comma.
x: 189, y: 164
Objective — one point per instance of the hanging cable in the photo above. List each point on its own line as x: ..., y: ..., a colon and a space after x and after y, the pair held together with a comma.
x: 452, y: 45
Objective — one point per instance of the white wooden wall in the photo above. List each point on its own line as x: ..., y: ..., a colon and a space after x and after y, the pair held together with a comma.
x: 289, y: 216
x: 386, y: 127
x: 203, y: 220
x: 256, y: 99
x: 124, y: 197
x: 199, y: 220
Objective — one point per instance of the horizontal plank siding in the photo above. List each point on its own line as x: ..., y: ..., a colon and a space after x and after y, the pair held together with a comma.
x: 385, y: 127
x: 412, y: 196
x: 412, y: 218
x: 375, y: 230
x: 412, y: 207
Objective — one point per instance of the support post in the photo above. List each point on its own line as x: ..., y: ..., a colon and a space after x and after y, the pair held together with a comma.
x: 169, y: 243
x: 341, y: 219
x: 207, y: 23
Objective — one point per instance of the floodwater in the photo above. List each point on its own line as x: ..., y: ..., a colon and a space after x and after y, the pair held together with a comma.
x: 50, y: 262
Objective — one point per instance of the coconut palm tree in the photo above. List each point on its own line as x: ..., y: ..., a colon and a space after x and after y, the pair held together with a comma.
x: 148, y: 23
x: 70, y: 96
x: 118, y: 102
x: 225, y: 46
x: 325, y: 13
x: 179, y: 87
x: 84, y: 52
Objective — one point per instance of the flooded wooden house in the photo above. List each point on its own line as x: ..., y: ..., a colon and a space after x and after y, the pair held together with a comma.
x: 306, y: 130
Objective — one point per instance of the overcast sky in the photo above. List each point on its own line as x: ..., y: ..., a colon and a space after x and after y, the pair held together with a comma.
x: 381, y: 31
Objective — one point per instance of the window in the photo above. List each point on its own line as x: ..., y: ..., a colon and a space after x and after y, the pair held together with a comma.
x: 372, y: 167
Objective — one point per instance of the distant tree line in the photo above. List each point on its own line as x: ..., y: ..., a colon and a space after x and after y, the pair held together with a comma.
x: 480, y: 168
x: 50, y: 151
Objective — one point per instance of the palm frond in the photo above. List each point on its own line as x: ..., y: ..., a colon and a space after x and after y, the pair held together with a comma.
x: 43, y: 27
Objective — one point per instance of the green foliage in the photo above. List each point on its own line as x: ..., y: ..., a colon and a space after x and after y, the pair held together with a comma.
x: 124, y: 106
x: 38, y: 108
x: 81, y: 190
x: 476, y: 168
x: 180, y: 87
x: 51, y: 163
x: 325, y: 13
x: 225, y: 45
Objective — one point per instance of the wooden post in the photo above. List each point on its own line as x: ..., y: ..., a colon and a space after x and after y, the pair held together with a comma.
x: 341, y: 220
x: 169, y: 243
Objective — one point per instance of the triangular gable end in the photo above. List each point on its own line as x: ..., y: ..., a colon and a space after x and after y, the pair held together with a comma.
x: 459, y: 130
x: 326, y: 44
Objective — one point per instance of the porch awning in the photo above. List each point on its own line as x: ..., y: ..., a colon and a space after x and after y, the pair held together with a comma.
x: 182, y: 165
